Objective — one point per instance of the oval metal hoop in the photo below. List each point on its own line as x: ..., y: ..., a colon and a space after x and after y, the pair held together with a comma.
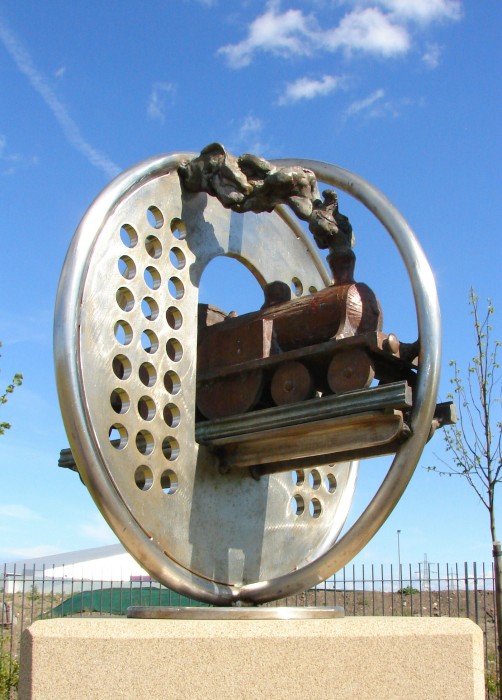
x: 89, y: 429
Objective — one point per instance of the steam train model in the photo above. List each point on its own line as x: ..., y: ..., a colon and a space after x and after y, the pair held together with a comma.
x: 326, y: 343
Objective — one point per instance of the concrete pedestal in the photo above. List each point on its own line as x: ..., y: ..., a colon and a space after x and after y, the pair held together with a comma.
x: 354, y: 658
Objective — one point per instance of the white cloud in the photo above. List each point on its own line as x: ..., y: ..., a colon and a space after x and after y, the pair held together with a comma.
x: 432, y: 55
x: 18, y: 512
x: 368, y: 30
x: 247, y: 137
x: 161, y: 97
x: 365, y: 104
x: 377, y: 27
x: 59, y: 73
x: 250, y: 127
x: 424, y: 11
x: 39, y: 83
x: 285, y: 34
x: 308, y: 89
x: 375, y: 106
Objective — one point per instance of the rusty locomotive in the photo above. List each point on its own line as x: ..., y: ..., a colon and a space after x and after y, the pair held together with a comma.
x: 328, y: 342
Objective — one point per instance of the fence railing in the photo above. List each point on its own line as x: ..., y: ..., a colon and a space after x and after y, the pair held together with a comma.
x: 424, y: 590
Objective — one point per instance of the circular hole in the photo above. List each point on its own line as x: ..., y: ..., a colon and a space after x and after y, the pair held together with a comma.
x: 178, y: 229
x: 297, y: 287
x: 177, y: 258
x: 149, y: 342
x: 298, y: 477
x: 150, y: 308
x: 143, y: 477
x: 121, y: 367
x: 176, y: 288
x: 315, y: 508
x: 172, y: 415
x: 154, y: 216
x: 174, y: 318
x: 314, y: 479
x: 153, y: 247
x: 297, y: 504
x: 119, y: 401
x: 174, y: 350
x: 128, y: 235
x: 170, y: 448
x: 172, y: 383
x: 125, y: 298
x: 127, y: 268
x: 147, y: 374
x: 312, y: 289
x: 123, y: 332
x: 152, y: 277
x: 330, y: 482
x: 146, y: 408
x: 145, y: 442
x: 117, y: 436
x: 169, y: 482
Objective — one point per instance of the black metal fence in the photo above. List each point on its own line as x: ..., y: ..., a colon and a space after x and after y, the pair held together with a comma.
x: 424, y: 590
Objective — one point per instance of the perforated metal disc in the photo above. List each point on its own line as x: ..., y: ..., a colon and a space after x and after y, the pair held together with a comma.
x: 126, y: 337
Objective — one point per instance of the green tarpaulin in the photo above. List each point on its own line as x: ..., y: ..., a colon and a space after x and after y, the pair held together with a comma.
x: 115, y: 601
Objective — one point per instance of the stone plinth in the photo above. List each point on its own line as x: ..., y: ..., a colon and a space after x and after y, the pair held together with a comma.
x: 352, y: 658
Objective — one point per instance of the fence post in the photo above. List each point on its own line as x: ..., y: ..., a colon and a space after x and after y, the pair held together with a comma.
x: 466, y: 577
x: 497, y: 560
x: 476, y: 608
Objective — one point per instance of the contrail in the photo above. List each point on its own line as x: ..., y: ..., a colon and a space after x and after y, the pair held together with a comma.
x: 24, y: 62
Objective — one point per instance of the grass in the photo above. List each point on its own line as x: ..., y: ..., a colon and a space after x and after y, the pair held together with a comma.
x: 9, y: 674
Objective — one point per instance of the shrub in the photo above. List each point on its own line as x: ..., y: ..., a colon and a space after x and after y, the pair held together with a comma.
x: 9, y: 674
x: 408, y: 590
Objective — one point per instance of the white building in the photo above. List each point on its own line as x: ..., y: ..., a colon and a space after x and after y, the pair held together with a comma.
x: 99, y: 564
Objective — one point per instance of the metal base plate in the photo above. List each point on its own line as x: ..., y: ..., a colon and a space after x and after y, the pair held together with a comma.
x: 234, y: 613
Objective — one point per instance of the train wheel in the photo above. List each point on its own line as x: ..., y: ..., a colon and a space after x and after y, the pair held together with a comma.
x: 292, y: 382
x: 350, y: 370
x: 230, y: 396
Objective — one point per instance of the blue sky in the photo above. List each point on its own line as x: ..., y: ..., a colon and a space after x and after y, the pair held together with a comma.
x: 406, y: 93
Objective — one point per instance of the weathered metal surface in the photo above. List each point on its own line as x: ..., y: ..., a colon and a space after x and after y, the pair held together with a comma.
x: 321, y: 440
x: 250, y: 183
x: 127, y: 387
x: 154, y: 612
x: 350, y: 370
x: 390, y: 364
x: 241, y: 392
x: 391, y: 396
x: 126, y: 347
x: 344, y: 363
x: 315, y: 316
x: 292, y: 382
x: 230, y: 396
x: 396, y: 396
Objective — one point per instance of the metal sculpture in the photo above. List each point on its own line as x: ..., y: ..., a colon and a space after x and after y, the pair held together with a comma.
x: 222, y: 450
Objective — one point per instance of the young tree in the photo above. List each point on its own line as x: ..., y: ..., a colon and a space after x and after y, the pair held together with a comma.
x: 473, y: 444
x: 16, y: 381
